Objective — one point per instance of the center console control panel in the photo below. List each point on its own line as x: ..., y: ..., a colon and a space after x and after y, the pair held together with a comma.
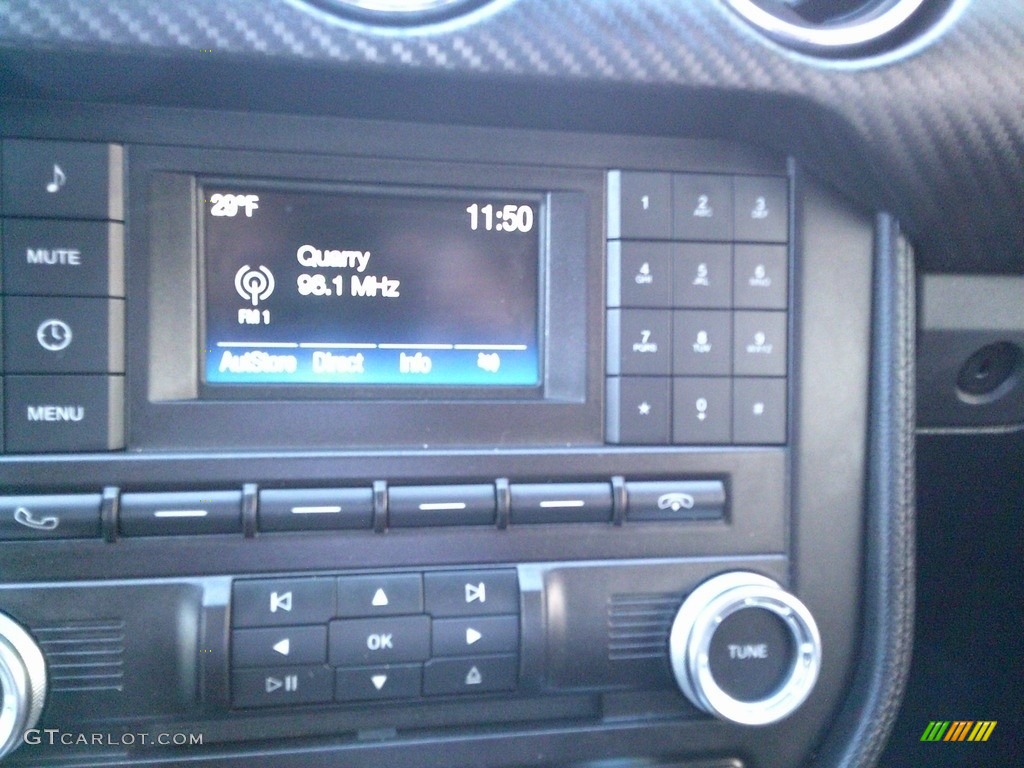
x: 349, y: 438
x: 379, y: 507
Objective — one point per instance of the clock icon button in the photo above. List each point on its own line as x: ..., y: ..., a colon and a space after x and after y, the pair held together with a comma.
x: 54, y: 335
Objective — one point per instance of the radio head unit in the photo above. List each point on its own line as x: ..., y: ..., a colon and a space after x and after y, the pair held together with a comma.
x: 375, y: 303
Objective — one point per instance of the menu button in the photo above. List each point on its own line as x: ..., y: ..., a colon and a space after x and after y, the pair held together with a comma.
x: 64, y: 413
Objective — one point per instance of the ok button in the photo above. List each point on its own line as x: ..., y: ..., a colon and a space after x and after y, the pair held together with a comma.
x: 367, y: 642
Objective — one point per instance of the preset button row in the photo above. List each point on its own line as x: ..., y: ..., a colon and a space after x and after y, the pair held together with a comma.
x: 271, y: 602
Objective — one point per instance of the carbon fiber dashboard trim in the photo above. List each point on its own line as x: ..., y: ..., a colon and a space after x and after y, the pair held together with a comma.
x: 936, y: 128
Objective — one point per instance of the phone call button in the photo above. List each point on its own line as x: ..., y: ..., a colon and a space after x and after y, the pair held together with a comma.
x: 50, y: 517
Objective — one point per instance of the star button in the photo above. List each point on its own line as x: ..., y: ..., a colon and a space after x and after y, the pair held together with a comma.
x: 644, y: 408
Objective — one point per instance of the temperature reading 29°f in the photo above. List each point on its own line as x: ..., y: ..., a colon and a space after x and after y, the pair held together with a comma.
x: 504, y: 218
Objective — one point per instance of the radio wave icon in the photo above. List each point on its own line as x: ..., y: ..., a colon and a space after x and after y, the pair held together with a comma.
x: 255, y: 285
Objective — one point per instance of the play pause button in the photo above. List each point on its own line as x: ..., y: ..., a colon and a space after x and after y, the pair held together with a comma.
x: 399, y: 681
x: 281, y: 686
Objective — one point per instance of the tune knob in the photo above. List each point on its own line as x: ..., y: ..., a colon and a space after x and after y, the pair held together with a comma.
x: 744, y: 649
x: 22, y: 683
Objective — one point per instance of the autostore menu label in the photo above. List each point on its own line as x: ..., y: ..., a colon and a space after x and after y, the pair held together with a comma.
x: 311, y: 287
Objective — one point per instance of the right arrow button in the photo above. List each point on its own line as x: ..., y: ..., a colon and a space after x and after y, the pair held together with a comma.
x: 480, y: 635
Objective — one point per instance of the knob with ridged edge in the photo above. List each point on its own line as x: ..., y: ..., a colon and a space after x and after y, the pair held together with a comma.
x: 744, y: 649
x: 22, y: 683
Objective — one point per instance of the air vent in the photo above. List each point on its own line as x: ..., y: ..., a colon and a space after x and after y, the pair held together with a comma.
x: 638, y: 625
x: 396, y: 12
x: 83, y: 656
x: 839, y: 27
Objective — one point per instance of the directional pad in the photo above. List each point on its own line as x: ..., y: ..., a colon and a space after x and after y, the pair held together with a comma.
x: 383, y: 634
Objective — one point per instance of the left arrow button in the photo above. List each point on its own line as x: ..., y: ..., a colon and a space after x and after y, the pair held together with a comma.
x: 276, y: 646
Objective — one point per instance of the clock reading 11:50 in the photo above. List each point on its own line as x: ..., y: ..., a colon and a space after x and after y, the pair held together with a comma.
x: 505, y: 218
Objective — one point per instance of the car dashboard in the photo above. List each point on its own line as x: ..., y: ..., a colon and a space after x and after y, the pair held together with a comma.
x: 514, y: 383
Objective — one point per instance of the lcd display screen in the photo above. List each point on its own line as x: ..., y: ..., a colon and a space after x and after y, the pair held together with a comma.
x: 346, y: 287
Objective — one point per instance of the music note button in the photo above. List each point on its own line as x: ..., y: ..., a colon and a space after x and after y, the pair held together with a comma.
x: 58, y: 182
x: 63, y: 180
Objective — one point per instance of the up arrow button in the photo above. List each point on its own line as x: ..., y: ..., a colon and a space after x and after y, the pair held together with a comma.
x: 398, y: 594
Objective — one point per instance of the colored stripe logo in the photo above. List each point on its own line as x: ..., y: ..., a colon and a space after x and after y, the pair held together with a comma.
x: 958, y: 730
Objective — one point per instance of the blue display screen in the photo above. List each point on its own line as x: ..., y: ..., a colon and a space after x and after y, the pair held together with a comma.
x: 310, y: 287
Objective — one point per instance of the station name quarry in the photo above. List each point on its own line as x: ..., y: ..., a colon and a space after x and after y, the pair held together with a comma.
x: 317, y: 284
